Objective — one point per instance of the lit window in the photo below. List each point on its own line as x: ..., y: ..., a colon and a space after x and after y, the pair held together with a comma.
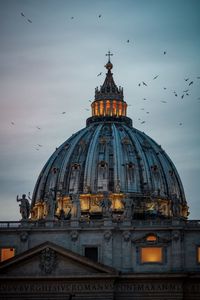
x: 151, y: 255
x: 107, y: 107
x: 120, y: 108
x: 198, y: 254
x: 151, y: 238
x: 101, y: 108
x: 7, y: 253
x: 114, y: 108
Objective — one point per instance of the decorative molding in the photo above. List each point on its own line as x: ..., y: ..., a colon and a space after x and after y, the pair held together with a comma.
x: 107, y: 235
x: 48, y: 260
x: 74, y: 235
x: 126, y: 235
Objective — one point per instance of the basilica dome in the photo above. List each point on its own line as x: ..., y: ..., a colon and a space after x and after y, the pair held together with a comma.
x: 109, y: 159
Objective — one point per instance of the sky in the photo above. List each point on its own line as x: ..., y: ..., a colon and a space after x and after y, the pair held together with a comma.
x: 49, y: 65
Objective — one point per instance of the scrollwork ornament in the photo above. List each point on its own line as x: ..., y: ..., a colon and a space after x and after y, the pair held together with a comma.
x: 74, y: 235
x: 48, y: 260
x: 107, y: 235
x: 126, y: 236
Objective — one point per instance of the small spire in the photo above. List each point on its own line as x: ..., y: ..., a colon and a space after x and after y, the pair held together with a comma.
x: 109, y: 65
x: 109, y: 54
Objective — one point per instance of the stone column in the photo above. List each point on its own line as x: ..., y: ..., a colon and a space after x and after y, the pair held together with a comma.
x: 107, y: 248
x: 126, y: 251
x: 176, y: 251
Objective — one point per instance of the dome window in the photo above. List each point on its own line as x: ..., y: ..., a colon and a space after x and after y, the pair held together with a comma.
x: 75, y: 166
x: 154, y: 168
x: 130, y: 165
x: 54, y: 170
x: 102, y: 164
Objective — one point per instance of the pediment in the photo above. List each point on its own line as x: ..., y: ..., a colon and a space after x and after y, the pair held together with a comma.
x: 49, y: 259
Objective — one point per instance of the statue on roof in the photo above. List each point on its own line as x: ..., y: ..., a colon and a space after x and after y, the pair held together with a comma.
x: 24, y: 207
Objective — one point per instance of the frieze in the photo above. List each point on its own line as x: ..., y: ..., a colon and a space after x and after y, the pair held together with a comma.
x: 48, y: 260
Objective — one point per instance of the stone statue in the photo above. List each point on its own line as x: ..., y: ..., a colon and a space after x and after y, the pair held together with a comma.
x: 76, y: 208
x: 175, y: 206
x: 128, y: 208
x: 49, y: 203
x: 24, y: 207
x: 106, y: 205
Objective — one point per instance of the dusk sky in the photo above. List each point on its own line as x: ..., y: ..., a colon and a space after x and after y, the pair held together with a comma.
x: 49, y: 65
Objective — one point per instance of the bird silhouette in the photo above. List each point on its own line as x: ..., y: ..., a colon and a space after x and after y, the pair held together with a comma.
x: 39, y: 145
x: 180, y: 124
x: 142, y: 122
x: 90, y: 100
x: 147, y: 112
x: 99, y: 74
x: 164, y: 88
x: 191, y: 82
x: 99, y: 16
x: 185, y: 91
x: 182, y: 96
x: 139, y: 84
x: 38, y: 127
x: 144, y: 99
x: 144, y: 83
x: 164, y: 52
x: 72, y: 18
x: 186, y: 79
x: 142, y: 108
x: 163, y: 101
x: 12, y: 123
x: 175, y: 94
x: 64, y: 112
x: 29, y: 21
x: 155, y: 77
x: 22, y: 14
x: 128, y: 41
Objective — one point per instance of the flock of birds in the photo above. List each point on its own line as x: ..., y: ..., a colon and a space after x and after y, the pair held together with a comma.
x: 184, y: 93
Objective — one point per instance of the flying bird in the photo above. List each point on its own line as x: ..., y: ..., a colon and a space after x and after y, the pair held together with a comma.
x: 99, y: 16
x: 180, y: 124
x: 147, y: 112
x: 164, y: 88
x: 144, y: 99
x: 64, y: 112
x: 182, y: 96
x: 72, y: 18
x: 142, y: 122
x: 191, y: 82
x: 90, y: 100
x: 164, y: 52
x: 155, y: 77
x: 39, y: 145
x: 144, y: 83
x: 127, y: 41
x: 175, y: 94
x: 29, y: 21
x: 12, y: 123
x: 38, y: 127
x: 163, y: 101
x: 99, y: 74
x: 142, y: 108
x: 139, y: 84
x: 22, y: 14
x: 187, y: 94
x: 186, y: 79
x: 185, y: 91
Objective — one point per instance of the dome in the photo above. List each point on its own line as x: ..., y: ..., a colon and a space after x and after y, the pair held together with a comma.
x: 109, y: 159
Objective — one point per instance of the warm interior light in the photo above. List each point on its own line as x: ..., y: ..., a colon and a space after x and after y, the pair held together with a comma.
x: 151, y: 255
x: 151, y: 238
x: 101, y: 108
x: 7, y: 253
x: 107, y: 107
x: 198, y: 254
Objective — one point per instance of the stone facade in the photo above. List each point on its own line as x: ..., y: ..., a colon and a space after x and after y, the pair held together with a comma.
x: 58, y: 268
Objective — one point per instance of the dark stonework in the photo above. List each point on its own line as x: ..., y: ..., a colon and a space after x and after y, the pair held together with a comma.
x: 48, y: 260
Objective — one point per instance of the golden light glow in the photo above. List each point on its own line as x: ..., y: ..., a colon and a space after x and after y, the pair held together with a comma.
x: 101, y: 108
x: 198, y: 254
x: 151, y: 255
x: 7, y: 253
x: 151, y: 238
